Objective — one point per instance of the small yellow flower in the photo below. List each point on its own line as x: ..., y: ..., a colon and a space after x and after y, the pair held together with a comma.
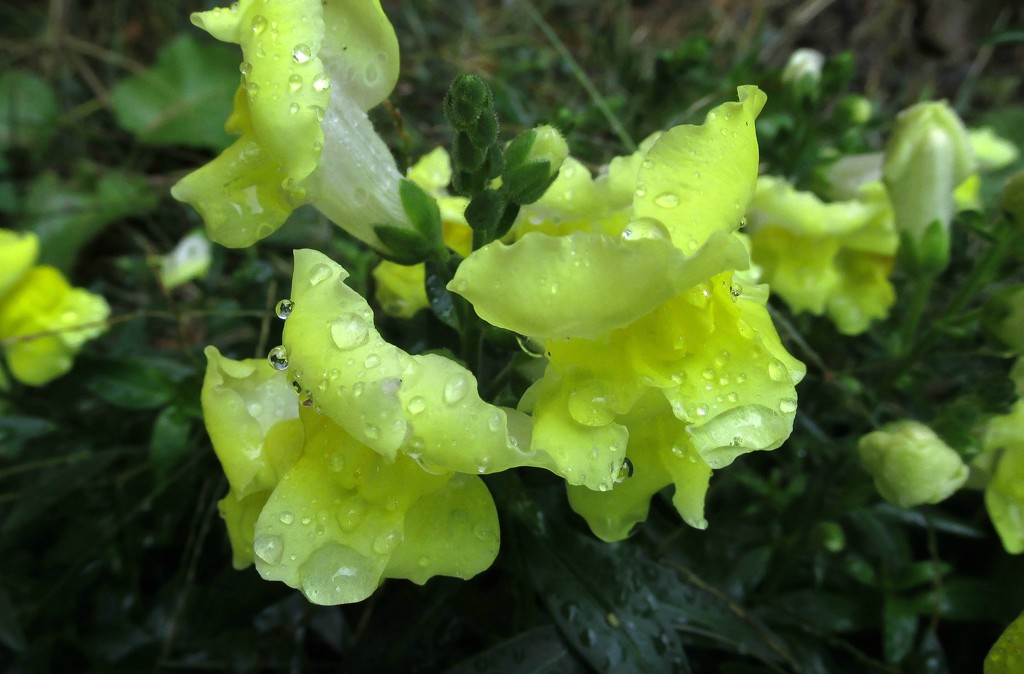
x: 43, y: 320
x: 826, y: 258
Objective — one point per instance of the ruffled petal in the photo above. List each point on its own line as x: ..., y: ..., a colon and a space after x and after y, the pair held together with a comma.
x: 251, y: 415
x: 240, y: 515
x: 1004, y: 496
x: 697, y: 180
x: 337, y: 519
x: 426, y: 406
x: 587, y: 283
x: 47, y: 322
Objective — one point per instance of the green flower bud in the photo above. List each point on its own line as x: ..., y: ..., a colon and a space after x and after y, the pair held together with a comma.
x: 532, y: 162
x: 911, y: 464
x: 803, y: 71
x: 465, y: 101
x: 857, y: 109
x: 928, y: 156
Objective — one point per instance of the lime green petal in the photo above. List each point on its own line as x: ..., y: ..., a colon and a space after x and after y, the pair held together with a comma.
x: 239, y: 194
x: 620, y: 180
x: 738, y: 396
x: 425, y: 406
x: 991, y: 151
x: 573, y: 424
x: 777, y: 202
x: 337, y: 518
x: 612, y: 515
x: 18, y: 252
x: 251, y: 414
x: 967, y: 195
x: 451, y: 532
x: 697, y: 180
x: 285, y: 83
x: 399, y: 288
x: 432, y: 171
x: 239, y: 517
x: 803, y: 275
x: 361, y: 50
x: 47, y: 322
x: 863, y: 292
x: 1007, y: 654
x: 691, y: 476
x: 1004, y: 496
x: 584, y: 284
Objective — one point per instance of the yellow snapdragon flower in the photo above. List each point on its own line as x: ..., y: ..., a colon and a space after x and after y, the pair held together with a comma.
x: 659, y: 359
x: 315, y: 508
x: 310, y: 71
x: 43, y: 320
x: 826, y: 258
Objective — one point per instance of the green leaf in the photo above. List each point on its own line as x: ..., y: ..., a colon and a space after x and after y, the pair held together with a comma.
x: 28, y: 110
x: 442, y: 302
x: 405, y: 246
x: 484, y: 214
x: 527, y: 182
x: 10, y: 627
x: 183, y: 99
x: 67, y: 215
x: 899, y: 626
x: 422, y: 210
x: 17, y: 430
x: 131, y: 385
x: 537, y: 651
x: 169, y: 442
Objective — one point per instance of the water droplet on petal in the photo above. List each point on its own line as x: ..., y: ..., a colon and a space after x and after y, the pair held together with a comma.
x: 284, y: 309
x: 293, y: 108
x: 295, y: 82
x: 776, y: 370
x: 667, y: 200
x: 735, y: 290
x: 268, y: 547
x: 386, y: 542
x: 416, y: 404
x: 625, y: 472
x: 319, y: 273
x: 455, y: 388
x: 259, y: 24
x: 278, y: 358
x: 372, y: 361
x: 701, y: 410
x: 301, y: 53
x: 245, y: 68
x: 349, y: 331
x: 321, y: 82
x: 787, y: 405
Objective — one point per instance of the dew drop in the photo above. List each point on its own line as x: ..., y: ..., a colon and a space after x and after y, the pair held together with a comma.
x: 625, y: 472
x: 678, y: 451
x: 589, y: 405
x: 701, y: 410
x: 321, y: 82
x: 319, y: 273
x: 287, y: 518
x: 787, y: 405
x: 371, y: 74
x: 732, y: 397
x: 337, y: 462
x: 245, y: 68
x: 708, y: 374
x: 295, y: 82
x: 647, y: 163
x: 259, y: 24
x: 776, y: 370
x: 666, y: 200
x: 646, y: 228
x: 371, y: 431
x: 349, y: 331
x: 293, y: 108
x: 278, y: 358
x: 252, y: 89
x: 269, y: 548
x: 301, y: 53
x: 495, y: 422
x: 455, y: 389
x: 416, y: 405
x: 641, y: 190
x: 735, y: 290
x: 284, y: 309
x: 372, y: 361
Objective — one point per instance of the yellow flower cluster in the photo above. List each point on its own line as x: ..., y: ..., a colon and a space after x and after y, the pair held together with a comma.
x: 43, y: 320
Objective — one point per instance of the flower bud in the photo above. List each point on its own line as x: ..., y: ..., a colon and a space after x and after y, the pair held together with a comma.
x: 1003, y: 317
x: 189, y: 260
x: 928, y: 156
x: 532, y: 162
x: 803, y: 70
x: 911, y: 465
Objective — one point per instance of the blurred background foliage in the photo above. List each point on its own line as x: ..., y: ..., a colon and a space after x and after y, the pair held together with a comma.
x: 112, y: 556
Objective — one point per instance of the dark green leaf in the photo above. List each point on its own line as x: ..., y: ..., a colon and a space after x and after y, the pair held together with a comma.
x: 67, y: 215
x: 184, y: 98
x: 28, y: 110
x: 899, y: 626
x: 132, y: 385
x: 169, y: 441
x: 537, y: 651
x: 527, y: 182
x: 442, y: 303
x: 11, y: 633
x: 16, y: 431
x: 405, y: 246
x: 422, y: 210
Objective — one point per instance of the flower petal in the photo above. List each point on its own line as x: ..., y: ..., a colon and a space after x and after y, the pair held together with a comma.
x: 587, y: 283
x: 697, y: 180
x: 18, y: 252
x: 251, y: 414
